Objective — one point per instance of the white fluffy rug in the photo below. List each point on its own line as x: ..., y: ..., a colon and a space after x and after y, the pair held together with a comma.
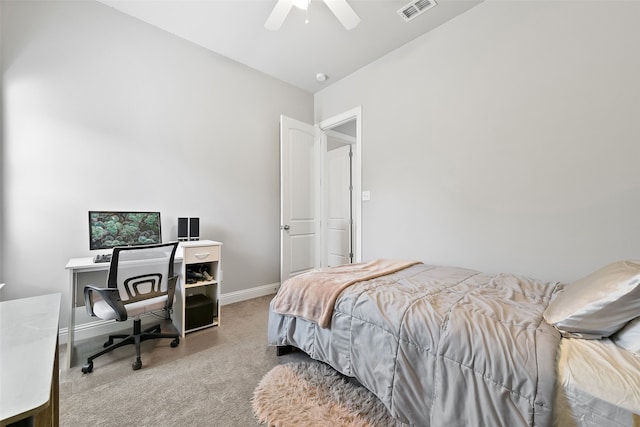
x: 313, y: 394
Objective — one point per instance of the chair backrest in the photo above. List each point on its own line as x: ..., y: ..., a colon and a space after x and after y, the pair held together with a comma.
x: 143, y: 272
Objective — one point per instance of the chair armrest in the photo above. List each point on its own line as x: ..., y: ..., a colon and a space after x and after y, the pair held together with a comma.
x: 110, y: 295
x: 171, y: 290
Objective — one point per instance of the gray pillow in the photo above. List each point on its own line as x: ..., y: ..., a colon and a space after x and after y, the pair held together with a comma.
x: 599, y: 304
x: 629, y: 337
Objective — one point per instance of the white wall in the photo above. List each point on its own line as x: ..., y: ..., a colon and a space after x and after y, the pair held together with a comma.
x: 1, y: 162
x: 102, y: 111
x: 508, y: 139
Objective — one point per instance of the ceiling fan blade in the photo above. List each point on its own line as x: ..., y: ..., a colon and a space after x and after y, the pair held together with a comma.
x: 345, y: 14
x: 278, y: 15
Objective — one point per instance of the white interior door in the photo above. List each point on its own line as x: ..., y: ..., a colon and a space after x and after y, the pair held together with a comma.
x: 299, y: 186
x: 338, y: 206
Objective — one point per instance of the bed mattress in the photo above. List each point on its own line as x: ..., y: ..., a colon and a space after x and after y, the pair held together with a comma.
x: 440, y: 345
x: 452, y: 346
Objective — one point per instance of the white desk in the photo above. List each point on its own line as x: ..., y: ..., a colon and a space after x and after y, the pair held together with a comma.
x: 79, y: 266
x: 29, y: 360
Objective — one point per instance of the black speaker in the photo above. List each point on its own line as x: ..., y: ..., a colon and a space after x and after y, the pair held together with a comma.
x: 183, y: 229
x: 194, y: 228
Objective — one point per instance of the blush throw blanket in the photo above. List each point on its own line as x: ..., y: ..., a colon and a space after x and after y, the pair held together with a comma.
x: 312, y: 295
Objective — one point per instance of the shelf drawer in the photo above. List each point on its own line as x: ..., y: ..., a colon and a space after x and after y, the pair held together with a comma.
x: 201, y: 254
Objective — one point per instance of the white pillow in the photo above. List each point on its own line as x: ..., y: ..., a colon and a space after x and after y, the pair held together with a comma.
x: 629, y: 337
x: 599, y: 304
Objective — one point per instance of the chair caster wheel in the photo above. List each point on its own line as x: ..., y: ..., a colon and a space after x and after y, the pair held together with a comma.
x: 175, y: 342
x: 86, y: 369
x: 136, y: 365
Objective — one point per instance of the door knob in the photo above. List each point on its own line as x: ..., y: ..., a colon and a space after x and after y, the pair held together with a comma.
x: 285, y: 227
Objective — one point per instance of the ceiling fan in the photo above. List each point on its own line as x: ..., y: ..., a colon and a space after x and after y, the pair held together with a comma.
x: 340, y: 9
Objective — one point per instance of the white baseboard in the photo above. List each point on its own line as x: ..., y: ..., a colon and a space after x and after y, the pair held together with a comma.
x: 245, y: 294
x: 104, y: 327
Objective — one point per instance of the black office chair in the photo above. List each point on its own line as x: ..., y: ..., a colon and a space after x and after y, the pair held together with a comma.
x: 141, y: 280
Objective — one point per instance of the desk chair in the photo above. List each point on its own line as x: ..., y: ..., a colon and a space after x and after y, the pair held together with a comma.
x: 140, y: 280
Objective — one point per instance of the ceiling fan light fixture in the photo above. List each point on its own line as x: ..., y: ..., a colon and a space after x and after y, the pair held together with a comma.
x: 340, y: 8
x: 302, y: 4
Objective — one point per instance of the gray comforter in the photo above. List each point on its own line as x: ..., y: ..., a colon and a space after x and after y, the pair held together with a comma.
x: 441, y: 346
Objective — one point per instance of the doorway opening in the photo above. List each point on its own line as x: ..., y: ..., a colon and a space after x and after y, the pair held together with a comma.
x: 341, y: 147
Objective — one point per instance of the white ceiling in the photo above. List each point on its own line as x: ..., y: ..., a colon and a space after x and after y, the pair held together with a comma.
x: 298, y: 51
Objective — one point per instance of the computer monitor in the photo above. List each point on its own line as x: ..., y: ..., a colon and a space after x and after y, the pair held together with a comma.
x: 108, y: 229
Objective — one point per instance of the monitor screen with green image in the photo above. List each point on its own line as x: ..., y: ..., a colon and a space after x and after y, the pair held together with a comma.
x: 108, y: 229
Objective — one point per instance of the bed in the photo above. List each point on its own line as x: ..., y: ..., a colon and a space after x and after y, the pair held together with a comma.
x: 443, y: 345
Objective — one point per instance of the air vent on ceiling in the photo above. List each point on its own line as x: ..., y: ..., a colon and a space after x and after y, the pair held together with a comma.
x: 415, y: 8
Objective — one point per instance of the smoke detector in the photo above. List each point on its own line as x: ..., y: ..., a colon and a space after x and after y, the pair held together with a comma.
x: 415, y: 8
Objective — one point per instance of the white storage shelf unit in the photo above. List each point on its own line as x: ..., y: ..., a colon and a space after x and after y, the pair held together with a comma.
x: 198, y: 295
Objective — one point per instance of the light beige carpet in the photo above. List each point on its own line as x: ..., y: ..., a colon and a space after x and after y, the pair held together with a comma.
x: 310, y: 394
x: 208, y: 380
